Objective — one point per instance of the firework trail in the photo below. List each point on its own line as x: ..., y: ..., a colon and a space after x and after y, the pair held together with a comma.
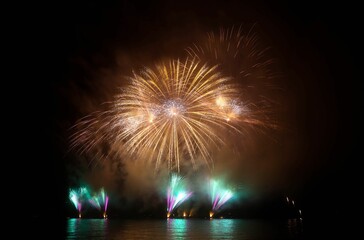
x: 169, y: 115
x: 78, y: 197
x: 219, y: 196
x: 176, y: 194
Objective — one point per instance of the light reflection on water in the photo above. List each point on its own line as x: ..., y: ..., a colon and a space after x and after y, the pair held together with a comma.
x: 87, y: 228
x: 176, y: 229
x: 221, y: 228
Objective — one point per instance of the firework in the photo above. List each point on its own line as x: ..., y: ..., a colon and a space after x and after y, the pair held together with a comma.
x: 219, y: 196
x: 100, y: 201
x: 78, y: 197
x: 171, y: 114
x: 176, y: 194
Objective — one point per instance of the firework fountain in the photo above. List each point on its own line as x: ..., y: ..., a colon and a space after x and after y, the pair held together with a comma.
x: 219, y: 196
x: 100, y: 201
x: 176, y: 194
x: 78, y: 197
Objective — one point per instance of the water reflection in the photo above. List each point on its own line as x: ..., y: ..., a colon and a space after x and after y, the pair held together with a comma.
x: 177, y: 228
x: 137, y: 229
x: 78, y: 228
x: 222, y: 228
x: 186, y: 228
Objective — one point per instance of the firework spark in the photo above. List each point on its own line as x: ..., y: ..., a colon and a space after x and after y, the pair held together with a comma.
x: 170, y: 114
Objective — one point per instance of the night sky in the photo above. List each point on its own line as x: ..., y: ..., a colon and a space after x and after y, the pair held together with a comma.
x: 67, y: 47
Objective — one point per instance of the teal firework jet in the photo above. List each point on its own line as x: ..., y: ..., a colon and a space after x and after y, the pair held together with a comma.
x: 219, y: 196
x: 176, y: 194
x: 100, y: 201
x: 78, y: 197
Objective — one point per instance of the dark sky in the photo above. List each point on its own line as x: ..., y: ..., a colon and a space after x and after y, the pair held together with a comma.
x: 65, y: 46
